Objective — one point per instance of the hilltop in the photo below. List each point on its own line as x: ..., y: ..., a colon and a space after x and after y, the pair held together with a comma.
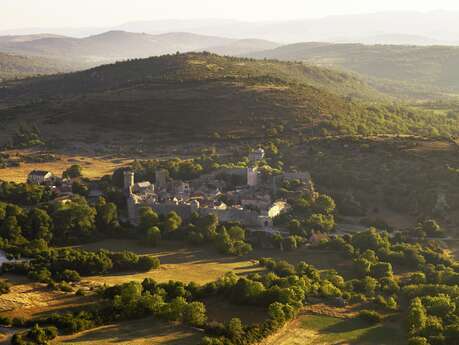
x: 118, y: 45
x: 200, y: 96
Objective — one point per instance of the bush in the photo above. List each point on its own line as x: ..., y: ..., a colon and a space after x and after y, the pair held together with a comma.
x: 65, y: 287
x: 147, y: 263
x: 70, y: 276
x: 370, y: 316
x: 5, y: 321
x: 417, y: 341
x: 4, y: 287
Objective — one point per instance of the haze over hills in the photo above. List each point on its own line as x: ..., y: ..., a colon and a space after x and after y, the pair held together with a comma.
x: 115, y: 45
x: 422, y: 28
x: 433, y: 67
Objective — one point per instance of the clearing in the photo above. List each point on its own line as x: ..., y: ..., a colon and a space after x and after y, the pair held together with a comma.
x: 146, y: 331
x: 93, y: 166
x: 321, y: 329
x: 183, y: 262
x: 29, y: 299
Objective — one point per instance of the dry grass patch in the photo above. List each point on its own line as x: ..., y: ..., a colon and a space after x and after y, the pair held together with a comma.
x: 93, y: 166
x: 28, y: 299
x: 140, y: 332
x: 178, y: 262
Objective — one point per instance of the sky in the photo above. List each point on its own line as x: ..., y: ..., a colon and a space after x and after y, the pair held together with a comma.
x: 98, y: 13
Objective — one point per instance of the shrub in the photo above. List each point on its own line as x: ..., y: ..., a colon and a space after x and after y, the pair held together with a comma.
x: 370, y: 316
x: 5, y: 321
x: 70, y: 276
x: 417, y: 341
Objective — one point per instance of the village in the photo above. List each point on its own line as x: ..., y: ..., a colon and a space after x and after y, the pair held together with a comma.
x: 242, y: 195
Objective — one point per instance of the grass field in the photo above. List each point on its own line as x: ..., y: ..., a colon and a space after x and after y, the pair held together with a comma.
x: 140, y: 332
x: 180, y: 261
x: 29, y: 299
x: 93, y: 166
x: 327, y: 330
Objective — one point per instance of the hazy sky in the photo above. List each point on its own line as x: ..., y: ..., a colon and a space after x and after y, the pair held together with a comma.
x: 77, y: 13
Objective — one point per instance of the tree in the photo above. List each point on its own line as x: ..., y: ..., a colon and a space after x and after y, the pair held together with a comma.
x: 417, y: 317
x: 235, y: 328
x: 148, y: 218
x: 173, y: 222
x: 39, y: 225
x: 370, y: 239
x: 153, y: 236
x: 381, y: 270
x: 418, y: 341
x: 276, y: 312
x: 207, y: 226
x: 431, y: 228
x: 324, y: 204
x: 76, y: 221
x: 290, y: 243
x: 362, y: 266
x: 107, y: 217
x: 176, y: 308
x: 73, y: 171
x: 236, y: 233
x: 10, y: 228
x: 194, y: 314
x: 440, y: 305
x: 80, y: 188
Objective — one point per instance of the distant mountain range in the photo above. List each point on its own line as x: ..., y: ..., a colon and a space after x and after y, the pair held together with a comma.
x: 419, y: 28
x: 116, y: 45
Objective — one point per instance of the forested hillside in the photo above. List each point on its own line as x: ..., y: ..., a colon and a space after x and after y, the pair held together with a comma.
x: 208, y: 96
x: 15, y: 66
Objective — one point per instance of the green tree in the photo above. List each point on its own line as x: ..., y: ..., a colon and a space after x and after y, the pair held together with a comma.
x: 417, y: 317
x: 39, y: 225
x: 173, y: 222
x: 235, y: 328
x: 381, y: 270
x: 74, y: 171
x: 194, y: 314
x: 153, y: 235
x: 324, y: 204
x: 10, y: 228
x: 107, y: 217
x: 148, y: 218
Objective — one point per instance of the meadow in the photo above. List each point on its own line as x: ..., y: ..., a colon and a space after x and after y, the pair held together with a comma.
x: 93, y: 166
x: 323, y: 329
x: 183, y: 262
x: 146, y: 331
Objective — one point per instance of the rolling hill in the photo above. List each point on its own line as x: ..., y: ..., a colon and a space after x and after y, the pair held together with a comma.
x: 413, y: 68
x: 118, y: 45
x: 202, y: 96
x: 16, y: 66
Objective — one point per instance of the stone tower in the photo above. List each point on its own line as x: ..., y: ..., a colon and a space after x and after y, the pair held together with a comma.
x: 128, y: 183
x: 256, y: 156
x: 161, y: 176
x: 252, y: 176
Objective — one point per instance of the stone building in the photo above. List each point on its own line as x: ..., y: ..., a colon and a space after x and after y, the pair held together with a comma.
x: 40, y: 177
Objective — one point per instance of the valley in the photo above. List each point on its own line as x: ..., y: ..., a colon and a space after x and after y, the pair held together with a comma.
x: 184, y: 188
